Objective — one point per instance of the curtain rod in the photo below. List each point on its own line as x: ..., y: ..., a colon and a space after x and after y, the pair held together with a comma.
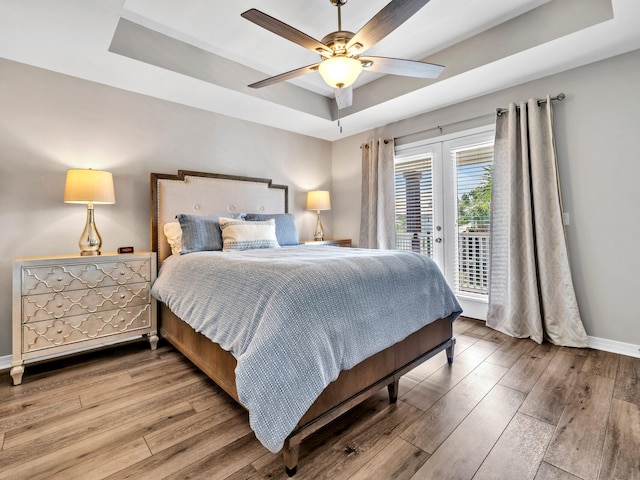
x: 366, y: 145
x: 487, y: 116
x: 559, y: 97
x: 499, y: 111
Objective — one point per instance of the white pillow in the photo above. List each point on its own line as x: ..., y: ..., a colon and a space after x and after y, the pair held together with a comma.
x: 247, y: 235
x: 173, y: 233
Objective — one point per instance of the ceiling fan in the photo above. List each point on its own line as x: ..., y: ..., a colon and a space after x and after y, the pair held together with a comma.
x: 341, y: 51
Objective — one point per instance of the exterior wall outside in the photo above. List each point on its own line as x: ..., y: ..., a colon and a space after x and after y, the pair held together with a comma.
x: 597, y: 143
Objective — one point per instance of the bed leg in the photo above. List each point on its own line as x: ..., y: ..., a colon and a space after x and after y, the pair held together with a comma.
x: 393, y: 389
x: 450, y: 350
x: 290, y: 454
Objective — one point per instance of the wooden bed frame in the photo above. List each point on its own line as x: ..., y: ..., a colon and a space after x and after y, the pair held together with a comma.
x: 206, y: 193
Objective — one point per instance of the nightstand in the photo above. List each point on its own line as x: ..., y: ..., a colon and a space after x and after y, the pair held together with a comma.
x: 338, y: 242
x: 67, y: 303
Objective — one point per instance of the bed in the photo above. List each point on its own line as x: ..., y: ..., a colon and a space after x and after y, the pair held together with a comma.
x: 345, y: 379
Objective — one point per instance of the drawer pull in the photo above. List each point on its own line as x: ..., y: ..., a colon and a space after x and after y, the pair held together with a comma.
x: 59, y: 330
x: 59, y: 279
x: 122, y: 273
x: 122, y: 295
x: 59, y: 305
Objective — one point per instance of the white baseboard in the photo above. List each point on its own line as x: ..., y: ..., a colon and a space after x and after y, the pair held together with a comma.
x: 5, y: 362
x: 614, y: 346
x: 594, y: 342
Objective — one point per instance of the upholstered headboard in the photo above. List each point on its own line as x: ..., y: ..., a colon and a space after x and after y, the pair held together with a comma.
x: 206, y: 194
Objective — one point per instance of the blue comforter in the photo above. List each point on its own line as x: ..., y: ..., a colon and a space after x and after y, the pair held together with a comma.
x: 294, y: 317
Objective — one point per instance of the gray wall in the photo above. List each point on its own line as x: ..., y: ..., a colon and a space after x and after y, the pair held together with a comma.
x: 597, y: 143
x: 51, y: 122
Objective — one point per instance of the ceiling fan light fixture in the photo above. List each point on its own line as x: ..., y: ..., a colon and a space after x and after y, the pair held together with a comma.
x: 340, y: 71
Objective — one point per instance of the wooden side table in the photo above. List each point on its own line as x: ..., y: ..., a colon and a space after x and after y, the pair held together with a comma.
x: 338, y: 242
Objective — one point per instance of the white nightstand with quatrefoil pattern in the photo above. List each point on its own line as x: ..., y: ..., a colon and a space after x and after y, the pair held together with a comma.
x: 66, y: 303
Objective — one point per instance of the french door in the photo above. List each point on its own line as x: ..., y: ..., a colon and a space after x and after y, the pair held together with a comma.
x: 443, y: 192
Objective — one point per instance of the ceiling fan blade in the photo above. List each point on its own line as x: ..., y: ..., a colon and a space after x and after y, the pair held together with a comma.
x: 384, y: 22
x: 285, y: 76
x: 285, y: 31
x: 344, y: 97
x: 398, y: 66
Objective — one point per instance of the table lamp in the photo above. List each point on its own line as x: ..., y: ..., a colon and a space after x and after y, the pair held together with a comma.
x: 318, y: 200
x: 90, y: 187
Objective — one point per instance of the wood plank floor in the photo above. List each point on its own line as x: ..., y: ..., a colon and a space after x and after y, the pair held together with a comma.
x: 506, y: 409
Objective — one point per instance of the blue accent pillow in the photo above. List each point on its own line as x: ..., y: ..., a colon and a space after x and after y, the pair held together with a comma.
x: 202, y: 232
x: 286, y: 231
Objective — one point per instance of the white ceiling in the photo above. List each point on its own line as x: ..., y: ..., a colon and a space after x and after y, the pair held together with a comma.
x: 203, y: 54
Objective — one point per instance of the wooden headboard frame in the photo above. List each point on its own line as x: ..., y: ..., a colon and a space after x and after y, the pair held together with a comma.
x: 206, y: 194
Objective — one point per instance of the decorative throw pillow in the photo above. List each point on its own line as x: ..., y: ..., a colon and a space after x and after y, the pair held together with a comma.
x: 173, y: 234
x: 286, y: 231
x: 247, y: 235
x: 202, y: 232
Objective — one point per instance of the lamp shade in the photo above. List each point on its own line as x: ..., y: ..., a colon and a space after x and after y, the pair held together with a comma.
x: 318, y: 200
x: 89, y: 186
x: 340, y: 71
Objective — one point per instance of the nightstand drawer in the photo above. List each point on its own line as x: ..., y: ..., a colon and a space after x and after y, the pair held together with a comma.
x: 80, y: 328
x: 76, y: 276
x: 66, y: 303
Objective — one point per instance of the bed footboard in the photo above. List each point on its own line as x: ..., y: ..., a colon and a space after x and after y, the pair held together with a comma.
x: 391, y: 381
x: 352, y: 387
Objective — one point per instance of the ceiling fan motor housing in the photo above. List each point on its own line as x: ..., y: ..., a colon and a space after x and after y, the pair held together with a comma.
x: 337, y: 41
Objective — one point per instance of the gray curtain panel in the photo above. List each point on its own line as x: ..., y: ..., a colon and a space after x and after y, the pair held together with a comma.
x: 531, y: 292
x: 377, y: 218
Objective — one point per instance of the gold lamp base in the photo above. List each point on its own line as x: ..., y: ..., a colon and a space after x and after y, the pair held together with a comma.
x: 90, y: 240
x: 318, y: 232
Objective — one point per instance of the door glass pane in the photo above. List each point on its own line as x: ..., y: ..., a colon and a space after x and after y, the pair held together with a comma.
x: 414, y: 205
x: 473, y: 178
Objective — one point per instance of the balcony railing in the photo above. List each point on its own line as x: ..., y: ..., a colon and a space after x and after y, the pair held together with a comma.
x: 473, y: 262
x: 417, y: 242
x: 472, y: 258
